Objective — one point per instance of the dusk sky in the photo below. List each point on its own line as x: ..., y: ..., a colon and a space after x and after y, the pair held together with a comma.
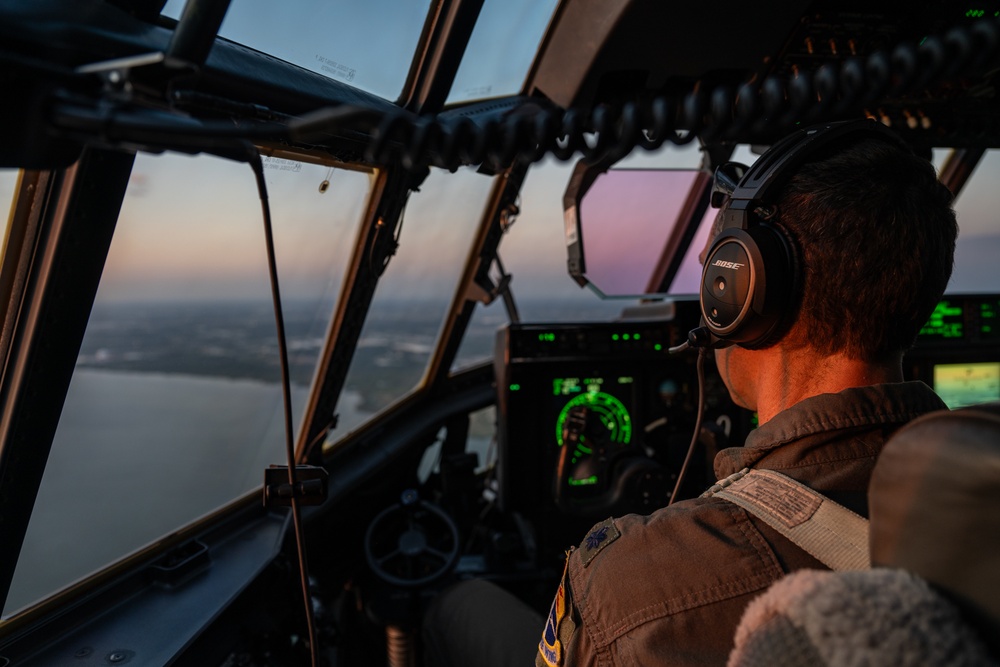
x: 191, y: 228
x: 8, y: 179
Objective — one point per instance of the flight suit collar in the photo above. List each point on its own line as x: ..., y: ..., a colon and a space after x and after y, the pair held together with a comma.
x: 857, y: 407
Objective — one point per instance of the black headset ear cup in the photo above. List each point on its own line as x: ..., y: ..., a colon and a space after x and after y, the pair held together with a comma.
x: 748, y: 283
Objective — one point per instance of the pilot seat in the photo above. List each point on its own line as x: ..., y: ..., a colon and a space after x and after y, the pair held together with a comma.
x: 932, y: 596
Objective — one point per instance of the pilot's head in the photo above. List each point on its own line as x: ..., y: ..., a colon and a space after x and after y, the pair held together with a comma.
x: 871, y: 237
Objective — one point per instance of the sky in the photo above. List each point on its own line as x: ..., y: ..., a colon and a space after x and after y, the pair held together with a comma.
x: 8, y: 180
x: 190, y: 228
x: 648, y: 202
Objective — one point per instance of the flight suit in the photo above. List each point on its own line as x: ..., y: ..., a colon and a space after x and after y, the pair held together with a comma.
x: 669, y: 588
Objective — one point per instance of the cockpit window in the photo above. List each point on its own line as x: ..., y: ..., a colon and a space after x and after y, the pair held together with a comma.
x: 367, y: 45
x: 174, y: 409
x: 412, y: 298
x: 533, y: 251
x: 8, y: 182
x: 501, y: 49
x: 978, y: 243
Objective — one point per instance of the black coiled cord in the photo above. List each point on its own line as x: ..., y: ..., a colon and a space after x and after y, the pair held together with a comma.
x: 530, y: 131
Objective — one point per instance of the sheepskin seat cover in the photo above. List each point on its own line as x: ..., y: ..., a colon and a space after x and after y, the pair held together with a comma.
x: 854, y: 619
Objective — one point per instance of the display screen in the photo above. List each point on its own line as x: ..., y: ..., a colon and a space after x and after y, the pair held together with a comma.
x: 590, y: 394
x: 946, y: 322
x: 595, y: 419
x: 959, y: 385
x: 593, y: 424
x: 989, y: 325
x: 963, y: 318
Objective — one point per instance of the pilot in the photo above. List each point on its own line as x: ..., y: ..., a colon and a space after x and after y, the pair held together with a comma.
x: 856, y: 239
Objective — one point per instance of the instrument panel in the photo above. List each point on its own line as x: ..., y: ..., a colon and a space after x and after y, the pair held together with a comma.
x: 956, y: 351
x: 594, y: 419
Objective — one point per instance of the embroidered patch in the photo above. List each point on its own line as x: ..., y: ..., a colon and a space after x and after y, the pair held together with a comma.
x: 789, y: 502
x: 550, y: 648
x: 599, y: 537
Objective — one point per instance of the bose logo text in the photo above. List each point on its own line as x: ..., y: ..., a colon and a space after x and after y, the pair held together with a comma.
x: 727, y: 265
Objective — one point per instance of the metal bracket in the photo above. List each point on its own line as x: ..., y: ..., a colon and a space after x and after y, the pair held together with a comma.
x: 310, y: 486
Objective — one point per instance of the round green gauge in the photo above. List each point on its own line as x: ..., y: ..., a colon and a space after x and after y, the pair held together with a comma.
x: 603, y: 409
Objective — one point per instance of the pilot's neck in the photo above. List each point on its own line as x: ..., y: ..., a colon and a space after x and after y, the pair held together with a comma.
x: 776, y: 378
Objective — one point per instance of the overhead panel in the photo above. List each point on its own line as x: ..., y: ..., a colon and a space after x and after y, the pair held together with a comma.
x: 596, y: 48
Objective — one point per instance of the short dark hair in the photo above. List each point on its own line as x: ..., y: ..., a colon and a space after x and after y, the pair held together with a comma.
x: 876, y: 234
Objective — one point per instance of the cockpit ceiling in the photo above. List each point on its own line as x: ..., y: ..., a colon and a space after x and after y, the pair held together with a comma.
x: 819, y: 52
x: 631, y: 72
x: 599, y: 50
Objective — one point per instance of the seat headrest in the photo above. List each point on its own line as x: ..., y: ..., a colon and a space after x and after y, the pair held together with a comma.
x: 934, y: 502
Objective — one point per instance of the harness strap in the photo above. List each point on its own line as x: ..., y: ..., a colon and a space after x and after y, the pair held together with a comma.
x: 831, y: 533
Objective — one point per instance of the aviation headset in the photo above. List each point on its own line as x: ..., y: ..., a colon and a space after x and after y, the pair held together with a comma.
x: 751, y: 272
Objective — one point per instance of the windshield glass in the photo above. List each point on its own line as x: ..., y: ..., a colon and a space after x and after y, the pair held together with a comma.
x: 501, y: 49
x: 8, y: 181
x: 533, y: 251
x: 412, y: 298
x: 175, y: 407
x: 368, y: 45
x: 978, y: 243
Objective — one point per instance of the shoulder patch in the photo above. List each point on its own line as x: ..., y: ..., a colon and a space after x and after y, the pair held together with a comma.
x: 599, y: 537
x: 559, y: 623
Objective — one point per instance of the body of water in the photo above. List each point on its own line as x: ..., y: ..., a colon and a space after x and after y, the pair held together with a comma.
x: 137, y: 456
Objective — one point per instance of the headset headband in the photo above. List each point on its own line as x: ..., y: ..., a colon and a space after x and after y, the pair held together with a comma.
x: 773, y: 169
